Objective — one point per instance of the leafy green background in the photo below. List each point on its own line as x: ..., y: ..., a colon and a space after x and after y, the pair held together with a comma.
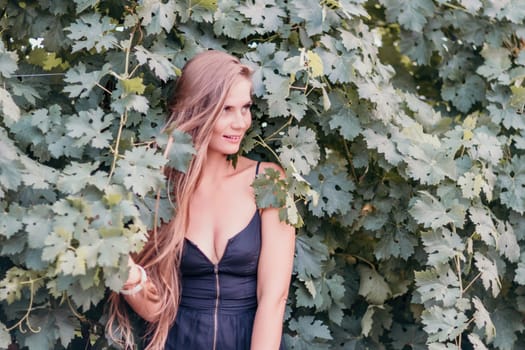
x: 399, y: 122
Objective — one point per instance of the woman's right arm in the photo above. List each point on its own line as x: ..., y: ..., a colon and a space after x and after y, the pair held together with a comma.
x: 145, y: 302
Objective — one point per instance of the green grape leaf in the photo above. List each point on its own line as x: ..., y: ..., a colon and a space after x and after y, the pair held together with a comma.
x: 506, y: 115
x: 519, y: 276
x: 310, y: 255
x: 181, y: 150
x: 157, y: 15
x: 485, y: 226
x: 10, y: 111
x: 476, y: 342
x: 511, y: 180
x: 513, y: 10
x: 412, y: 15
x: 399, y: 243
x: 384, y: 144
x: 5, y: 337
x: 463, y: 96
x: 482, y: 319
x: 309, y: 12
x: 430, y: 165
x: 8, y: 61
x: 486, y: 145
x: 229, y: 21
x: 439, y: 283
x: 442, y: 245
x: 497, y: 61
x: 472, y: 5
x: 133, y: 85
x: 443, y: 324
x: 140, y: 170
x: 110, y: 250
x: 199, y: 10
x: 471, y: 185
x: 334, y: 189
x: 10, y: 168
x: 131, y: 102
x: 507, y: 243
x: 159, y: 63
x: 270, y: 189
x: 11, y: 221
x: 15, y: 279
x: 38, y: 224
x: 81, y: 82
x: 518, y: 97
x: 408, y: 335
x: 489, y: 273
x: 508, y: 323
x: 56, y: 243
x: 45, y: 337
x: 346, y: 121
x: 373, y: 286
x: 77, y: 176
x: 29, y: 93
x: 81, y: 6
x: 264, y: 14
x: 310, y: 328
x: 86, y: 297
x: 305, y: 294
x: 416, y: 46
x: 90, y: 127
x: 92, y: 31
x: 69, y: 263
x: 66, y: 325
x: 299, y: 149
x: 384, y: 97
x: 429, y: 211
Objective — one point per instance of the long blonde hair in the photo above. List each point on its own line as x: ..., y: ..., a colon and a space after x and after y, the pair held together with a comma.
x: 199, y: 97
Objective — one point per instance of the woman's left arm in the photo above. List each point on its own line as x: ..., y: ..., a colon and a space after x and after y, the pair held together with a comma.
x: 273, y: 280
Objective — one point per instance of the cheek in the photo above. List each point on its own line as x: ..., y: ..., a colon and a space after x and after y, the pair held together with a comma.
x: 220, y: 125
x: 248, y: 120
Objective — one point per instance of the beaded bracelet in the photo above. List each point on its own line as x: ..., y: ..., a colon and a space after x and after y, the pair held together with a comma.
x: 139, y: 286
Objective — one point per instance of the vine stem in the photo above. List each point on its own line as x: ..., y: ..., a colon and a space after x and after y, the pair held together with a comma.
x: 458, y: 270
x: 349, y: 160
x: 262, y: 143
x: 281, y: 128
x: 472, y: 282
x: 364, y: 260
x: 124, y: 116
x: 77, y: 315
x: 28, y: 312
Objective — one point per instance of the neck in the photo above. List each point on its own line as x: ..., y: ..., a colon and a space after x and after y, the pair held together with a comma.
x: 217, y: 166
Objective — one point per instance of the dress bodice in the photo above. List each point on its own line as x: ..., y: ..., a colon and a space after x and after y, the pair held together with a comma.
x: 232, y: 281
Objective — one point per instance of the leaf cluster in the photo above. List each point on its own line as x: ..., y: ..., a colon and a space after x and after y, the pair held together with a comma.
x: 399, y: 125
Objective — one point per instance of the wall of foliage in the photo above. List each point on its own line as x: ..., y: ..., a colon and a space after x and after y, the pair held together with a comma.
x: 399, y: 122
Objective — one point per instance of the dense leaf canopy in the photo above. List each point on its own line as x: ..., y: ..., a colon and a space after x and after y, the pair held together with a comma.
x: 399, y: 123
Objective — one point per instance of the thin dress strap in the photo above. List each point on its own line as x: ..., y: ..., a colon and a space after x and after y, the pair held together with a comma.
x: 257, y: 167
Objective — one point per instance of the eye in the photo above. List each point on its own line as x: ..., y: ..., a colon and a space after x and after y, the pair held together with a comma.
x: 227, y: 108
x: 246, y: 107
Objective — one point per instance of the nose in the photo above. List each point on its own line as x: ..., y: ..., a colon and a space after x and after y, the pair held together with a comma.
x: 239, y: 120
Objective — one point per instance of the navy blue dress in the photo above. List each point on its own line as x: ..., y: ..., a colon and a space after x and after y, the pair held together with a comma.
x: 218, y: 301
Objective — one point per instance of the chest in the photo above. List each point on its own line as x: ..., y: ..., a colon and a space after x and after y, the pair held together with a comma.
x: 217, y: 216
x: 240, y: 257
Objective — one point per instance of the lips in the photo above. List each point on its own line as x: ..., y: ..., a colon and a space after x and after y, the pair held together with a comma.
x: 232, y: 138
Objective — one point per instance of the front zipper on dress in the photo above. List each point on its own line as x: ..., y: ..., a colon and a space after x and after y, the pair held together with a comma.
x: 215, y: 315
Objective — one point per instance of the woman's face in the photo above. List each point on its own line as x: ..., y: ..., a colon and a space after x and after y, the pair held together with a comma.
x: 234, y: 120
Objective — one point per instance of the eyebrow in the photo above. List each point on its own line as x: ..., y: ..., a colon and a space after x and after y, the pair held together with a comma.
x: 250, y: 102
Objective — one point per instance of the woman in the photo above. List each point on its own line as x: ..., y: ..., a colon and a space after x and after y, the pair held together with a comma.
x: 215, y: 277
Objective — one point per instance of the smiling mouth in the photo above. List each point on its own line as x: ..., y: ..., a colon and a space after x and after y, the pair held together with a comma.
x: 232, y: 138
